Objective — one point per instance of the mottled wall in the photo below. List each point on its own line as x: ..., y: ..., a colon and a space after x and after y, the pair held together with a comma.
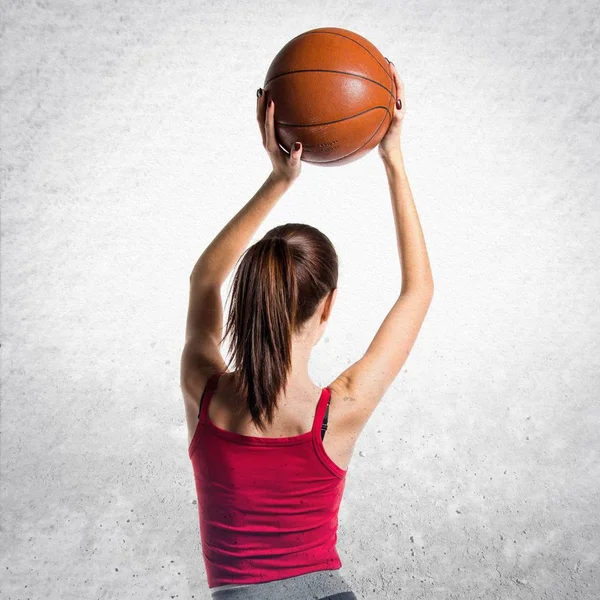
x: 129, y: 139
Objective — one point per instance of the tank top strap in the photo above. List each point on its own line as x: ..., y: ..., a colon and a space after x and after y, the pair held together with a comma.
x: 209, y: 388
x: 322, y: 413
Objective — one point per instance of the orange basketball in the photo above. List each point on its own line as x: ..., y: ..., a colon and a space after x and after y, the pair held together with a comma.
x: 334, y: 92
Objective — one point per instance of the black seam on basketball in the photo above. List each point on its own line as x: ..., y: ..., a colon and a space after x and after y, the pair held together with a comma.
x: 336, y: 121
x: 320, y: 162
x: 328, y: 71
x: 348, y: 38
x: 355, y: 151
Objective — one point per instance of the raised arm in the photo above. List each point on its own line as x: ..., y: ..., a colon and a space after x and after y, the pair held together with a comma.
x: 367, y: 380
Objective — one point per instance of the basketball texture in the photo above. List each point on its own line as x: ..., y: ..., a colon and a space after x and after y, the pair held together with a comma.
x: 334, y: 92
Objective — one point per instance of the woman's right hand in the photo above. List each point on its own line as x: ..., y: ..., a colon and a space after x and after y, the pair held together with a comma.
x: 389, y: 147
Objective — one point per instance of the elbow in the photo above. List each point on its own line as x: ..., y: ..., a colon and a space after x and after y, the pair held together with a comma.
x: 428, y: 296
x: 430, y: 287
x: 425, y: 284
x: 423, y: 289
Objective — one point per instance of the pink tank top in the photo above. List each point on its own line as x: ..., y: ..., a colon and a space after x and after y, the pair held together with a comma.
x: 267, y: 507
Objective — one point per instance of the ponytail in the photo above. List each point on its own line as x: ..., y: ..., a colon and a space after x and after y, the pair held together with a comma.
x: 273, y: 275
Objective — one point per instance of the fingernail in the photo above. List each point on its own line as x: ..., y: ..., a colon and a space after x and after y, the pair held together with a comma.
x: 270, y: 102
x: 297, y: 146
x: 259, y: 92
x: 399, y: 104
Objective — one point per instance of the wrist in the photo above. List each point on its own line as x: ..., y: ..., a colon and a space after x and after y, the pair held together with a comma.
x: 393, y: 162
x: 280, y: 180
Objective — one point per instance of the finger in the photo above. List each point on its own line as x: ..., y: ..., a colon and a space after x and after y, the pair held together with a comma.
x: 296, y: 152
x: 260, y: 113
x: 395, y: 85
x: 271, y: 142
x: 399, y: 87
x: 398, y: 80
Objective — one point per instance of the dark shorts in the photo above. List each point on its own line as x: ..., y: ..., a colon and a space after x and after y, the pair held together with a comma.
x: 318, y: 585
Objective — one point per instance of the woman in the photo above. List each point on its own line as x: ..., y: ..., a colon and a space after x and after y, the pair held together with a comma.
x: 269, y: 481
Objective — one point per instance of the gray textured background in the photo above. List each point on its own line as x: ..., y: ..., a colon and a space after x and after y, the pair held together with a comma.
x: 129, y: 139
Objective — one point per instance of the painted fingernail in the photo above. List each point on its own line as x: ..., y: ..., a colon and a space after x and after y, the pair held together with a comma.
x: 270, y: 102
x: 399, y: 104
x: 259, y: 92
x: 297, y: 146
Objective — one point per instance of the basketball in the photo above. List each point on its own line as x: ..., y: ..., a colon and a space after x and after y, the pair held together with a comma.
x: 334, y: 92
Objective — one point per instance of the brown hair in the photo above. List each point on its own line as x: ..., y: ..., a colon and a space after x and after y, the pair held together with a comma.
x: 277, y: 287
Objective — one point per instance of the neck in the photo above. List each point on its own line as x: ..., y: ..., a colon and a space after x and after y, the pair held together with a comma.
x: 298, y: 375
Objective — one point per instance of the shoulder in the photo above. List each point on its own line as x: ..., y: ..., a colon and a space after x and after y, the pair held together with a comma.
x: 194, y: 384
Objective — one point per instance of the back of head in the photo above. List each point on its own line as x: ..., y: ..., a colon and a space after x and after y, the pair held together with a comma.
x: 280, y: 281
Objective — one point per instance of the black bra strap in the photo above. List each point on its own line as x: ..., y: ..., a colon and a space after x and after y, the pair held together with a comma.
x: 324, y: 425
x: 202, y: 397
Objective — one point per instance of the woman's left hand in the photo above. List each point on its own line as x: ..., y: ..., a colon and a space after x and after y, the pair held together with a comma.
x: 286, y: 167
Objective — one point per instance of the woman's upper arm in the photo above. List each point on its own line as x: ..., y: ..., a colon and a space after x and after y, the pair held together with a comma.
x: 367, y: 380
